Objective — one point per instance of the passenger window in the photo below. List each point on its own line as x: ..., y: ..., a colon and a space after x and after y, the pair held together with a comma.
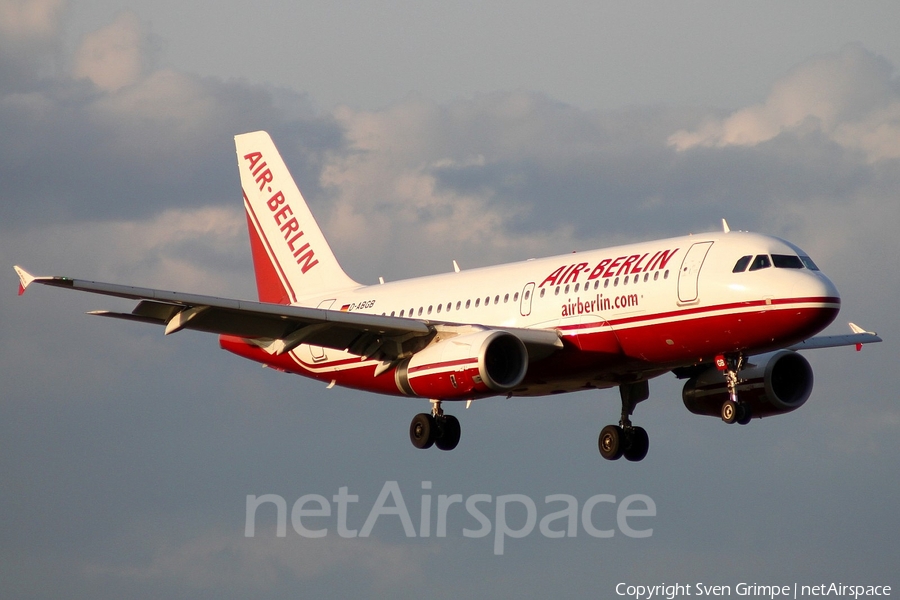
x: 477, y: 302
x: 439, y: 308
x: 402, y: 311
x: 528, y: 294
x: 626, y: 280
x: 666, y: 274
x: 567, y: 289
x: 497, y: 299
x: 420, y: 311
x: 646, y: 277
x: 429, y: 309
x: 656, y: 276
x: 392, y: 313
x: 787, y: 261
x: 809, y: 263
x: 760, y: 262
x: 468, y: 303
x: 741, y: 265
x: 616, y: 282
x: 505, y: 299
x: 606, y: 283
x: 576, y: 286
x: 557, y: 290
x: 487, y: 301
x: 542, y: 292
x: 516, y: 297
x: 459, y: 303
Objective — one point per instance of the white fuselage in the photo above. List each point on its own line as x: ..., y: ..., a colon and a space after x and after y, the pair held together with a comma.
x: 626, y: 311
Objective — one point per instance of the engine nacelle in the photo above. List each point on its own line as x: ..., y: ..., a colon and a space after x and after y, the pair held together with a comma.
x: 775, y: 384
x: 466, y: 366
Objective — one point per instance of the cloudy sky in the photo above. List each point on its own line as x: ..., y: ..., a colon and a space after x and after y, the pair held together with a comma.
x: 422, y: 133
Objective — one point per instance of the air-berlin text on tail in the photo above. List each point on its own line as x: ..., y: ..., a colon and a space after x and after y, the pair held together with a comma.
x: 611, y: 267
x: 281, y: 212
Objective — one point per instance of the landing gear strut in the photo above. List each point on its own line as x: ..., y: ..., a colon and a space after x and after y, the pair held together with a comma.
x: 733, y: 410
x: 435, y: 429
x: 625, y: 439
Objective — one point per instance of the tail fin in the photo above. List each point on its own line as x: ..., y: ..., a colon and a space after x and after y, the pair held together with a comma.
x: 291, y: 257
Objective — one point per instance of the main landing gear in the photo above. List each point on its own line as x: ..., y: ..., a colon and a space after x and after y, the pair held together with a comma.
x: 733, y: 410
x: 435, y: 429
x: 625, y: 439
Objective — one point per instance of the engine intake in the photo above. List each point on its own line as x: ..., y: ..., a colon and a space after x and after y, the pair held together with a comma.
x: 775, y: 384
x: 466, y: 366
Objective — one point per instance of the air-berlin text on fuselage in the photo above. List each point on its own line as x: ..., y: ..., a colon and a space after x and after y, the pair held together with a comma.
x: 611, y: 267
x: 282, y: 213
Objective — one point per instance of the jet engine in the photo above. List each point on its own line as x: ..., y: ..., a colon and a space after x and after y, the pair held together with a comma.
x: 466, y: 366
x: 772, y: 384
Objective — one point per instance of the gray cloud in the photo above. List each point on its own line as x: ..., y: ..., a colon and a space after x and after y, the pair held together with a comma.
x: 117, y: 138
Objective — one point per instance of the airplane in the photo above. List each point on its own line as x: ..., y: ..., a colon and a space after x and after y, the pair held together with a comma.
x: 726, y: 311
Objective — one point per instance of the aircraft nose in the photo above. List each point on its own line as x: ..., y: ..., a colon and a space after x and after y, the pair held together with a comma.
x: 820, y: 299
x: 816, y: 286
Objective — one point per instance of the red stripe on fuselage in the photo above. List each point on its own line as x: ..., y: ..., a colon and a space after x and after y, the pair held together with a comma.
x: 775, y: 302
x: 690, y: 336
x: 273, y: 259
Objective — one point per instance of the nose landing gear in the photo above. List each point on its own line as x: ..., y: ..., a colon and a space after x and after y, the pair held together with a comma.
x: 733, y: 410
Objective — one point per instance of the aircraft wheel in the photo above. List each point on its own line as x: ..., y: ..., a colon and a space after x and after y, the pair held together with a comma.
x: 729, y: 411
x: 448, y: 432
x: 610, y: 442
x: 638, y: 443
x: 745, y: 413
x: 422, y: 431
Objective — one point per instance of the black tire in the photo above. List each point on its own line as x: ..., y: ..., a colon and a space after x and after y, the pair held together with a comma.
x: 448, y: 432
x: 745, y: 413
x: 610, y: 442
x: 422, y: 431
x: 638, y: 443
x: 729, y: 411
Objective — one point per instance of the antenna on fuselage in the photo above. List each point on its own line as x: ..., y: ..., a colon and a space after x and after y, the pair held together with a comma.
x: 725, y: 226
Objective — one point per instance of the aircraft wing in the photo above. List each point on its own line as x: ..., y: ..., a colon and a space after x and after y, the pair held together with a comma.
x: 278, y: 328
x: 859, y: 337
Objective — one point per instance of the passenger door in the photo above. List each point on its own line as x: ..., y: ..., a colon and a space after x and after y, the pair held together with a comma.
x: 688, y: 276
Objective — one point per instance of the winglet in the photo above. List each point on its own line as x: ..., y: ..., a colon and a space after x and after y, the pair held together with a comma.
x: 25, y: 278
x: 859, y: 330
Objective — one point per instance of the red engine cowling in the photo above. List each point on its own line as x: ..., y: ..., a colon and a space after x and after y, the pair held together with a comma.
x: 466, y: 366
x: 775, y: 384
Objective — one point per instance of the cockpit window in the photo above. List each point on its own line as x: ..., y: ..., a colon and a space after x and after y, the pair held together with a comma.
x: 760, y: 262
x: 787, y: 261
x: 809, y: 263
x: 741, y: 265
